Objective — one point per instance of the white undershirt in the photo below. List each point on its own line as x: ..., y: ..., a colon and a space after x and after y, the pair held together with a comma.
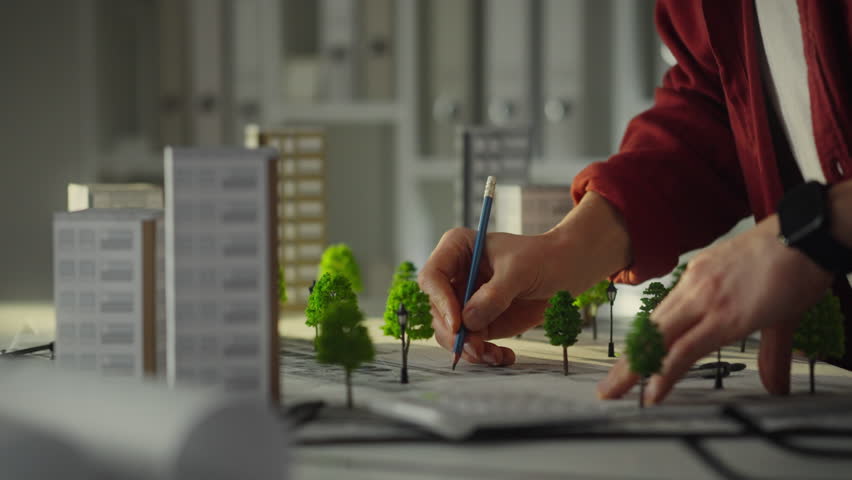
x: 787, y: 82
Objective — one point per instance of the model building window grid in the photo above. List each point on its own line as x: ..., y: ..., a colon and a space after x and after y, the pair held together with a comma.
x: 504, y: 152
x: 105, y: 291
x: 221, y: 277
x: 302, y: 207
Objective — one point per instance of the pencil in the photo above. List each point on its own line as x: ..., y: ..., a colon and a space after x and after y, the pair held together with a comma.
x: 478, y: 247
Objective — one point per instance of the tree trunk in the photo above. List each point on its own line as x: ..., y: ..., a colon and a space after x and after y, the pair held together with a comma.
x: 348, y: 388
x: 565, y: 360
x: 642, y: 392
x: 742, y: 346
x: 316, y: 336
x: 719, y: 384
x: 811, y: 363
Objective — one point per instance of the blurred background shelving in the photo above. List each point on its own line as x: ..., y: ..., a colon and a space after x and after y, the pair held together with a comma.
x: 390, y: 81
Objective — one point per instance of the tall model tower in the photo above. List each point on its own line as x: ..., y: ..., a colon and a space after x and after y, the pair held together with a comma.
x: 222, y: 269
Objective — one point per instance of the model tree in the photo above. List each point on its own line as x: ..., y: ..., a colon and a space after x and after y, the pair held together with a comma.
x: 645, y: 350
x: 330, y: 289
x: 340, y: 260
x: 654, y: 294
x: 405, y: 271
x: 588, y: 303
x: 344, y: 341
x: 418, y: 318
x: 820, y: 333
x: 562, y: 324
x: 676, y: 274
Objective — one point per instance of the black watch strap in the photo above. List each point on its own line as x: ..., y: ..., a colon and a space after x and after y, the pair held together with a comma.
x: 805, y: 219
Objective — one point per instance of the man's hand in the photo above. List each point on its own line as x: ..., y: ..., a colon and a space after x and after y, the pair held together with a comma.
x: 750, y: 282
x: 510, y: 300
x: 517, y: 275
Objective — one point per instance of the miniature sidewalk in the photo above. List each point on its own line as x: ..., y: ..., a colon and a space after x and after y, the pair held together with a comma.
x: 787, y: 441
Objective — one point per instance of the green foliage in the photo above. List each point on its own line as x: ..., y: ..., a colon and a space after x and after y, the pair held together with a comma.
x: 282, y: 289
x: 645, y: 347
x: 340, y: 260
x: 343, y: 339
x: 416, y: 303
x: 596, y: 295
x: 655, y: 292
x: 405, y: 271
x: 820, y: 333
x: 676, y: 274
x: 329, y: 290
x: 562, y: 321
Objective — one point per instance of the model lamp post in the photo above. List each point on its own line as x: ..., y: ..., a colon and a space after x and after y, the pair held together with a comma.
x: 611, y: 292
x: 402, y: 318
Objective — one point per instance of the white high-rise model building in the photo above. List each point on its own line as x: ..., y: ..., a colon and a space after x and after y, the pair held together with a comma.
x: 222, y: 269
x: 109, y: 308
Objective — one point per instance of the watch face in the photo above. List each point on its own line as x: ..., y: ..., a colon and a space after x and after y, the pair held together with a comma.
x: 802, y: 212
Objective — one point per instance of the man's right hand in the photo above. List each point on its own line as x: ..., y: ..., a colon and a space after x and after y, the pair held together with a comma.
x: 517, y: 275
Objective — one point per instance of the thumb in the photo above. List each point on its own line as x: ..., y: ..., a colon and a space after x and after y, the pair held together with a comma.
x: 487, y: 303
x: 776, y: 352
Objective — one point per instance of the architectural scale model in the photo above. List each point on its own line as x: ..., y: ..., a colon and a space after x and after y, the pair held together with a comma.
x: 302, y: 204
x: 562, y: 324
x: 221, y: 269
x: 820, y: 333
x: 109, y: 315
x: 504, y: 152
x: 530, y: 209
x: 588, y: 303
x: 113, y: 195
x: 645, y: 350
x: 408, y: 314
x: 344, y: 341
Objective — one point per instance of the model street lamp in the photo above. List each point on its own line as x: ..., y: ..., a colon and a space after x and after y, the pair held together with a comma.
x: 611, y: 292
x: 402, y: 318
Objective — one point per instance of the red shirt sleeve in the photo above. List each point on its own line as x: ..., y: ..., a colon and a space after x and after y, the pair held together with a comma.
x: 676, y: 179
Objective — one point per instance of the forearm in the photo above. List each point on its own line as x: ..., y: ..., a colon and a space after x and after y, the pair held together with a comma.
x: 840, y: 200
x: 589, y: 244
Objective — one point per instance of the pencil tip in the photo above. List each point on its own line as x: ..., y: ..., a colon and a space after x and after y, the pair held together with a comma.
x: 456, y: 360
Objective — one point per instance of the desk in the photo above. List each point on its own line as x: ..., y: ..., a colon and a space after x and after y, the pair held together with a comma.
x: 611, y: 454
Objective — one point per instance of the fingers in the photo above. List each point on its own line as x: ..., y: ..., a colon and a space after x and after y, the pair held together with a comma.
x: 476, y: 349
x: 491, y: 300
x: 437, y: 274
x: 684, y: 352
x: 776, y: 351
x: 619, y: 380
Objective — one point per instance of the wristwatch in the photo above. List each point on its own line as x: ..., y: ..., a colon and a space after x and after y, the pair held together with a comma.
x: 805, y: 217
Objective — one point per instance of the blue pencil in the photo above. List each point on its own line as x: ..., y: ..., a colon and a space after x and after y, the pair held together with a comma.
x: 478, y: 247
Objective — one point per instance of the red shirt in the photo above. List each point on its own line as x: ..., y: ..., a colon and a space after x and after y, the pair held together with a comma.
x: 702, y: 157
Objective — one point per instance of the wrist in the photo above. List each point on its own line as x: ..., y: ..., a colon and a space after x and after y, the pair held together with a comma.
x: 589, y: 244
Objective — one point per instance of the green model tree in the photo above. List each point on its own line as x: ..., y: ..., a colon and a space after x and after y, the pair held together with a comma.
x: 330, y: 289
x: 654, y: 294
x: 676, y: 274
x: 344, y: 341
x: 419, y: 323
x: 588, y: 303
x: 405, y: 271
x: 820, y: 333
x: 562, y: 324
x: 340, y: 260
x: 645, y: 350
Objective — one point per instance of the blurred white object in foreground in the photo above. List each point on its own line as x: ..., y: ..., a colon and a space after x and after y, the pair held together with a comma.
x: 135, y: 431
